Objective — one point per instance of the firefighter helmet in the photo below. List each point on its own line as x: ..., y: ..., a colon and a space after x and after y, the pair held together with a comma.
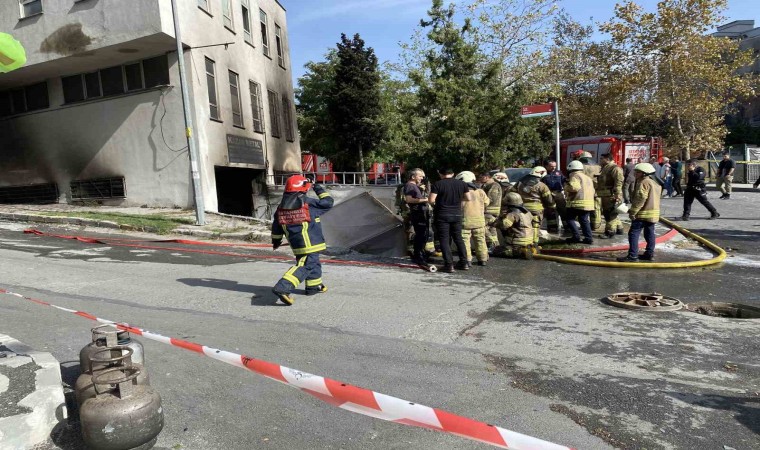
x: 501, y: 176
x: 513, y: 199
x: 645, y: 168
x: 297, y: 183
x: 466, y: 176
x: 574, y: 165
x: 538, y: 171
x: 586, y: 155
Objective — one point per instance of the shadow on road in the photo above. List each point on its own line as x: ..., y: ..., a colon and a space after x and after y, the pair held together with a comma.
x: 262, y: 295
x: 746, y: 410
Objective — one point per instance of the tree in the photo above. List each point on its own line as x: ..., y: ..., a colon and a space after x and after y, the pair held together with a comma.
x: 676, y: 72
x: 354, y: 102
x: 312, y: 95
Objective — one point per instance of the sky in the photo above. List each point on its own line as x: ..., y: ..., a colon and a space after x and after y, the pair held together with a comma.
x: 316, y: 25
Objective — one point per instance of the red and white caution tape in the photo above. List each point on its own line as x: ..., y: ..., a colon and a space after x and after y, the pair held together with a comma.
x: 342, y: 395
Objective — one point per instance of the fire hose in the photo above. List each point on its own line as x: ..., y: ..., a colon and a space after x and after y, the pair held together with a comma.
x: 720, y: 255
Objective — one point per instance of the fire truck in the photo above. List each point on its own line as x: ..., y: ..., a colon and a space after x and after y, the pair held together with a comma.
x: 645, y: 148
x: 319, y: 165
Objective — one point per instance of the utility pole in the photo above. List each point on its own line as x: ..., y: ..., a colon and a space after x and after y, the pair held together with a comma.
x: 195, y: 163
x: 556, y: 130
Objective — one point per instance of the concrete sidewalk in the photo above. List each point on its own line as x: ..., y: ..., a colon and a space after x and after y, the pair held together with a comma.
x: 32, y: 403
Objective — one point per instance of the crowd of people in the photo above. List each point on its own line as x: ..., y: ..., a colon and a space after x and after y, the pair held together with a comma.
x: 486, y: 215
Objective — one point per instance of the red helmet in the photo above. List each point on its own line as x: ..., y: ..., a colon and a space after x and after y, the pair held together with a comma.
x: 297, y: 183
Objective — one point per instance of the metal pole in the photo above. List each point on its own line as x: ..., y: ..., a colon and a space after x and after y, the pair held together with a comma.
x: 195, y: 164
x: 556, y: 130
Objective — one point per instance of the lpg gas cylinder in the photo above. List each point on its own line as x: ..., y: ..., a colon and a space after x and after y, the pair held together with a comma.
x: 108, y: 335
x: 123, y: 415
x: 118, y: 356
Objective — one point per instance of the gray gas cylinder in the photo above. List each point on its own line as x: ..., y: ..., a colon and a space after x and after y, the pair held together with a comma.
x: 105, y: 336
x: 106, y: 358
x: 123, y: 415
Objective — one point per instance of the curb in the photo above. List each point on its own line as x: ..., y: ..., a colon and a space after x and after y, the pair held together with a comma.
x: 251, y: 236
x: 31, y: 420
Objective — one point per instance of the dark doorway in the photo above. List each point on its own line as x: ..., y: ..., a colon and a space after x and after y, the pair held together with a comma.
x: 234, y: 189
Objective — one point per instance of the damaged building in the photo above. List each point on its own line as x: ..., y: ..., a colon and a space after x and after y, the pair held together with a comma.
x: 96, y: 114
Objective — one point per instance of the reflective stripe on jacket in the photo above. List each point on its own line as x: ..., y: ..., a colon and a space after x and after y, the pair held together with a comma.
x: 306, y: 237
x: 610, y: 181
x: 536, y: 197
x: 645, y: 204
x: 579, y: 191
x: 493, y: 191
x: 517, y: 227
x: 474, y: 211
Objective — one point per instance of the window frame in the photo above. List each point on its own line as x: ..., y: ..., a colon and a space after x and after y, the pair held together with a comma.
x: 22, y: 94
x: 207, y: 8
x: 126, y: 80
x: 274, y: 114
x: 257, y: 106
x: 212, y: 106
x: 236, y: 86
x: 264, y: 26
x: 280, y: 45
x: 22, y: 3
x: 227, y: 10
x: 245, y: 13
x: 287, y: 119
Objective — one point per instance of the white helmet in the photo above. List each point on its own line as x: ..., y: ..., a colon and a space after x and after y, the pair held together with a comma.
x: 538, y: 171
x: 466, y: 176
x: 575, y: 165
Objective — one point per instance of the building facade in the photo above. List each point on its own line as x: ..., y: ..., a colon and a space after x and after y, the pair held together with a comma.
x: 96, y: 113
x: 749, y: 39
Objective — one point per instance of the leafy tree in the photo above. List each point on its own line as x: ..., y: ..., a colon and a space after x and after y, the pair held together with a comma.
x: 353, y: 103
x: 312, y: 95
x: 676, y: 72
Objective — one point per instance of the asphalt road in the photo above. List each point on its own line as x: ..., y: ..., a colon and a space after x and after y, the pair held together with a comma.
x: 524, y: 345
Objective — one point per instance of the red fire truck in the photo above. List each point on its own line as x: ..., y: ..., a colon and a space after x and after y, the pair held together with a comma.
x: 645, y: 148
x: 319, y: 165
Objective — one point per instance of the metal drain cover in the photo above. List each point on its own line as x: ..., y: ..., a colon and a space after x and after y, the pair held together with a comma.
x: 644, y: 302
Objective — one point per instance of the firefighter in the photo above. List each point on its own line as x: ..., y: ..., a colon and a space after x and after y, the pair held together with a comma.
x: 419, y: 216
x: 579, y: 192
x: 591, y: 170
x: 536, y: 196
x: 644, y: 213
x: 610, y: 191
x: 493, y: 209
x: 555, y: 181
x: 298, y: 219
x: 517, y: 224
x: 474, y: 221
x: 503, y: 180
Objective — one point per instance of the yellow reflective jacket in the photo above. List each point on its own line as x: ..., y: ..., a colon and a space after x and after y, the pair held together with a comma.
x: 579, y: 191
x: 517, y: 226
x: 535, y: 195
x: 493, y: 191
x: 645, y: 204
x: 474, y: 210
x: 610, y: 182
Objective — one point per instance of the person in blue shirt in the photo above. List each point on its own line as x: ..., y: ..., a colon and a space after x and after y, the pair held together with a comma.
x: 555, y: 179
x: 298, y: 219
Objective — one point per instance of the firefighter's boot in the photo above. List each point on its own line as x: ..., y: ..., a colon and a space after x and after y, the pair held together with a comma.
x: 284, y: 297
x: 319, y: 289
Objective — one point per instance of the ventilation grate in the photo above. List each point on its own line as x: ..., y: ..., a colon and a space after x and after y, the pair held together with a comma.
x: 100, y: 188
x: 38, y: 194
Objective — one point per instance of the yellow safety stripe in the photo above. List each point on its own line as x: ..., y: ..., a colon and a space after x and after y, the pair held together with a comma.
x: 317, y: 220
x: 534, y: 206
x: 604, y: 193
x: 519, y: 241
x: 277, y: 237
x: 586, y: 203
x: 323, y: 195
x: 292, y: 279
x: 305, y: 234
x: 310, y: 249
x: 312, y: 283
x: 648, y: 214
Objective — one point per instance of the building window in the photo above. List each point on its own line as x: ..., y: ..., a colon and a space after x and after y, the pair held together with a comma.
x: 211, y: 82
x: 287, y: 119
x: 274, y: 113
x: 30, y: 98
x: 257, y: 107
x: 30, y: 7
x: 156, y: 71
x: 280, y: 49
x: 134, y: 75
x: 227, y: 13
x: 112, y: 81
x: 246, y: 22
x: 73, y: 89
x: 203, y: 4
x: 264, y: 32
x: 237, y: 110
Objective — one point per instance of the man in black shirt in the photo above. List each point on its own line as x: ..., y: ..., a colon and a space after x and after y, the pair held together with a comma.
x: 447, y: 196
x: 629, y: 180
x: 726, y: 176
x: 418, y: 213
x: 695, y: 189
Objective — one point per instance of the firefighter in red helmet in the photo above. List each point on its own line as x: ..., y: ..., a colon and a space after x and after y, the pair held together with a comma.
x: 298, y: 219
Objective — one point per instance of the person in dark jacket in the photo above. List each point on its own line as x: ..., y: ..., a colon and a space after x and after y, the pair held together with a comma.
x: 695, y: 189
x: 298, y: 219
x: 677, y: 166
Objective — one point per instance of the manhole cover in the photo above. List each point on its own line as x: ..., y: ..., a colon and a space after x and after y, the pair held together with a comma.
x: 726, y: 310
x: 644, y: 302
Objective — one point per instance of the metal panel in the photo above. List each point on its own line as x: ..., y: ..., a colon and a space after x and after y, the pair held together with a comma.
x: 32, y: 194
x: 363, y: 224
x: 102, y: 188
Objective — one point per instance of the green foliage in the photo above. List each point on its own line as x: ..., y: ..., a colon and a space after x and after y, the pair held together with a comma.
x: 312, y: 96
